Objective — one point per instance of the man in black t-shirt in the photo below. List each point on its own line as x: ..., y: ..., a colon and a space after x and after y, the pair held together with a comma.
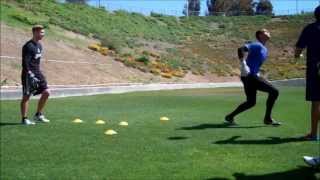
x: 310, y: 39
x: 33, y: 81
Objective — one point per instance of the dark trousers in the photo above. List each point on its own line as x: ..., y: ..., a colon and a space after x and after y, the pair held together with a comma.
x: 252, y: 84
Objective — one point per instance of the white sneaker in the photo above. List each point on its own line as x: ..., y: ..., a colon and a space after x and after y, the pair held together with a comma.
x: 41, y: 118
x: 312, y: 161
x: 28, y: 122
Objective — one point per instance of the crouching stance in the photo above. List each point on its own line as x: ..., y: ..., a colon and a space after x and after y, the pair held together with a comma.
x: 252, y: 56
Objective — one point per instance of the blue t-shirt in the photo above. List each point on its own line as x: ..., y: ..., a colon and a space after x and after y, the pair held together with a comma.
x: 258, y: 53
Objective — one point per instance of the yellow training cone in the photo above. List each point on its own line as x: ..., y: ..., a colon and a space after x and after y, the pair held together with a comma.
x: 164, y: 119
x: 123, y: 123
x: 110, y: 132
x: 100, y: 122
x: 77, y: 121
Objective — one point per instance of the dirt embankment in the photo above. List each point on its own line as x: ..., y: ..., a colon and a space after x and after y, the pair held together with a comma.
x: 75, y: 65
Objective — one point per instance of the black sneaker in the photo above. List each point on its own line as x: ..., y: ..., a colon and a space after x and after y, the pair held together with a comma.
x: 229, y: 121
x: 310, y: 137
x: 27, y: 122
x: 41, y: 118
x: 272, y: 122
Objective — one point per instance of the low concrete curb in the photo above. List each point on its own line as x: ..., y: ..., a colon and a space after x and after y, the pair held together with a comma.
x: 13, y: 93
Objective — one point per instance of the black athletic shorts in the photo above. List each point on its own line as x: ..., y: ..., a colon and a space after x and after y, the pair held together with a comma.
x: 27, y: 88
x: 252, y: 84
x: 313, y: 83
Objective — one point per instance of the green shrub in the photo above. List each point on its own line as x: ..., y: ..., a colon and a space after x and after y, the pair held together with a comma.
x: 143, y: 59
x: 154, y: 14
x: 4, y: 82
x: 112, y: 42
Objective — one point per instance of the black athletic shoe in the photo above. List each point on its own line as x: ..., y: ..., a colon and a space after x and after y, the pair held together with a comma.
x: 310, y: 137
x: 27, y: 122
x: 272, y: 122
x: 229, y: 121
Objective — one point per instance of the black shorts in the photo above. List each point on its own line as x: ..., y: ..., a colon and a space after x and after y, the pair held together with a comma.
x: 28, y: 90
x: 252, y: 84
x: 313, y: 85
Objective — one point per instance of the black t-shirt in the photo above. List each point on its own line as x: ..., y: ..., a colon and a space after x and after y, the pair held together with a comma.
x: 31, y: 56
x: 310, y: 39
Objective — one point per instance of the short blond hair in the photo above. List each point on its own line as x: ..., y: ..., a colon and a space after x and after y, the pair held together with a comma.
x: 260, y: 31
x: 37, y: 27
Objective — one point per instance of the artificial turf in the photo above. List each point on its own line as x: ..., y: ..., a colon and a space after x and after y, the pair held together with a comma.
x: 194, y: 144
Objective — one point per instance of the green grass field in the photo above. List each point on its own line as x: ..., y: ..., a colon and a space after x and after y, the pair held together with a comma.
x: 194, y: 144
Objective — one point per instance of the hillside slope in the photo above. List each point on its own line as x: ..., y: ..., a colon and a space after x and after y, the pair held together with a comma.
x: 203, y: 48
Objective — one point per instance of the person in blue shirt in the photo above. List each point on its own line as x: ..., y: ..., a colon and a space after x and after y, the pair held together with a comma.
x: 252, y: 56
x: 310, y: 39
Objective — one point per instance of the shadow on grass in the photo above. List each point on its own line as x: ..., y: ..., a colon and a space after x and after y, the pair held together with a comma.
x: 9, y: 124
x: 269, y: 140
x: 215, y: 126
x: 300, y: 173
x: 177, y: 138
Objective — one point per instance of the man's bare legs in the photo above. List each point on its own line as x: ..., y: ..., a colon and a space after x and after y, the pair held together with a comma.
x: 41, y: 104
x: 315, y: 118
x: 24, y: 106
x: 42, y: 101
